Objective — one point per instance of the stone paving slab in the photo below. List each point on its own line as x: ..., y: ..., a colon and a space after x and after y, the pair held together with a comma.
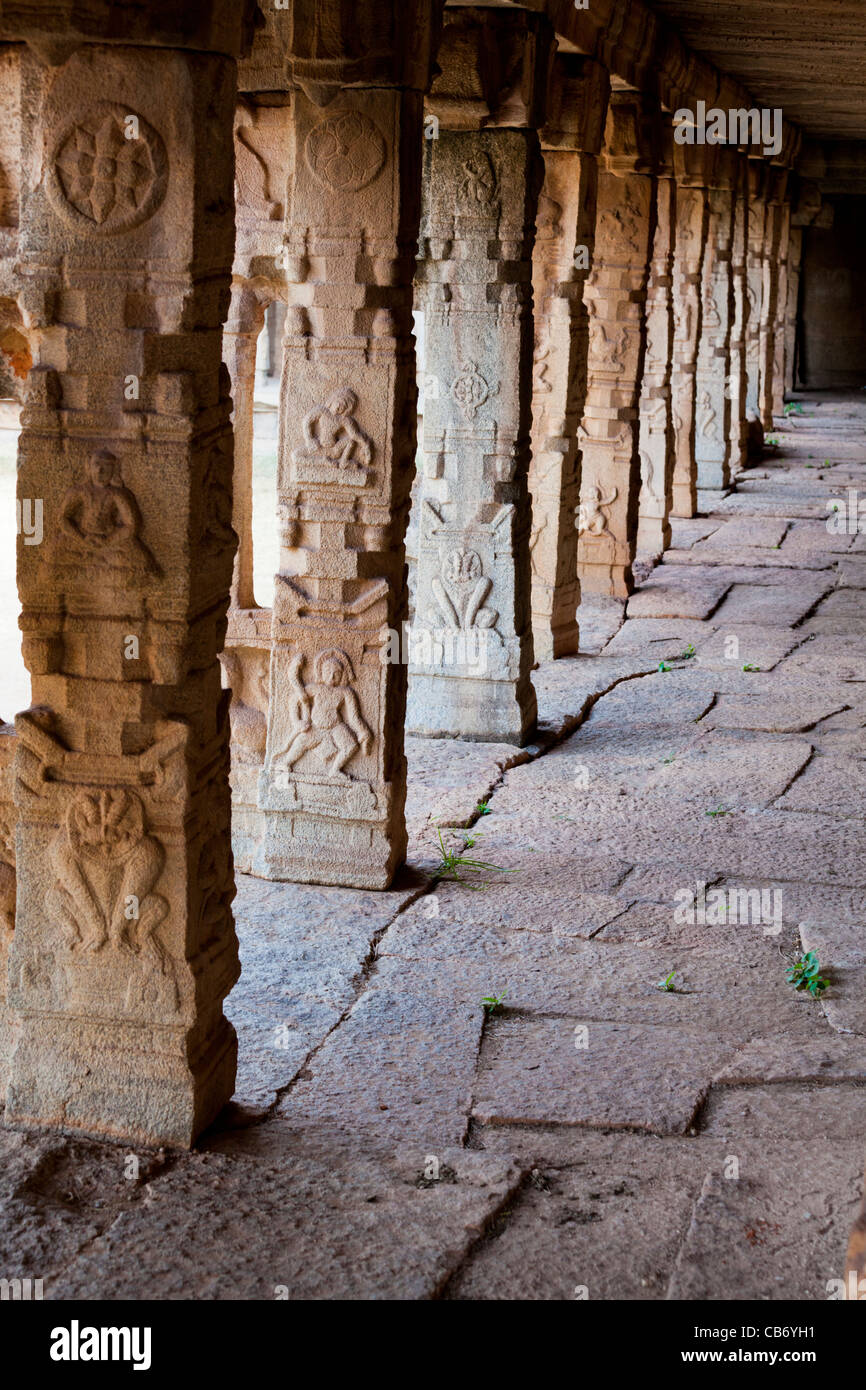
x: 222, y: 1228
x: 782, y: 1227
x: 630, y: 1076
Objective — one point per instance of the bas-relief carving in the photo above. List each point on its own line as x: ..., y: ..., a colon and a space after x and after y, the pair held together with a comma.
x: 326, y: 715
x: 106, y: 866
x: 471, y: 390
x: 253, y: 177
x: 707, y: 416
x: 102, y: 181
x: 216, y: 530
x: 477, y: 187
x: 460, y: 592
x: 336, y: 449
x: 591, y: 520
x: 100, y: 524
x: 606, y: 352
x: 345, y: 152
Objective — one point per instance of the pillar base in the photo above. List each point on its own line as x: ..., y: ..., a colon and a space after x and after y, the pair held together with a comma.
x: 335, y: 853
x: 484, y: 710
x: 551, y: 643
x: 66, y: 1074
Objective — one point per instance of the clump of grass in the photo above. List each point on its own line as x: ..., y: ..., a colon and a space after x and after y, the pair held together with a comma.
x: 452, y: 861
x: 719, y: 811
x: 483, y: 809
x: 804, y: 973
x: 667, y: 984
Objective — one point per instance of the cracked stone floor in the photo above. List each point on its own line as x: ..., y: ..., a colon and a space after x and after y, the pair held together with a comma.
x: 598, y: 1133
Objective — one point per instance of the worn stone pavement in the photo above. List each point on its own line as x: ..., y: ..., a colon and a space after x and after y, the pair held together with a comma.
x: 597, y: 1133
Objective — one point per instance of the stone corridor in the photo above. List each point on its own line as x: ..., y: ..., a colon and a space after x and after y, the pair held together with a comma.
x: 597, y: 1135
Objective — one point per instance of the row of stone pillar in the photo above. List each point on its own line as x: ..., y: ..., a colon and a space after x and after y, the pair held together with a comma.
x: 585, y: 289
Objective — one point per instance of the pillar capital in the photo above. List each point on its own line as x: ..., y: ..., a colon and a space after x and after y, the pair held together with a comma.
x: 576, y: 105
x: 630, y: 134
x: 494, y: 69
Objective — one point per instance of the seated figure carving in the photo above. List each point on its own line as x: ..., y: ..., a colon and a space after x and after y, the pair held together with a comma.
x: 100, y: 522
x: 333, y: 439
x: 327, y: 717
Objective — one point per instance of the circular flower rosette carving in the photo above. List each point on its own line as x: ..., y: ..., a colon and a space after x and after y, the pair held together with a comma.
x: 108, y: 172
x: 345, y: 152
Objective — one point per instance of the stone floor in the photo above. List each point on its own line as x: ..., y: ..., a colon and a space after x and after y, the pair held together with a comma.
x: 597, y: 1136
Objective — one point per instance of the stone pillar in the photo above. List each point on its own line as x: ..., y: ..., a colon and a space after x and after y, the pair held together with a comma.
x: 263, y: 136
x: 124, y: 944
x: 768, y: 397
x: 757, y: 179
x: 616, y: 296
x: 737, y: 375
x: 7, y: 887
x: 571, y: 141
x: 656, y: 417
x: 693, y: 164
x: 781, y: 325
x: 240, y: 341
x: 712, y: 396
x: 331, y: 792
x: 472, y: 637
x: 795, y: 262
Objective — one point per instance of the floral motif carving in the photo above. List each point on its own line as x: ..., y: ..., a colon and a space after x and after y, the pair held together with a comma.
x: 345, y: 152
x: 109, y: 170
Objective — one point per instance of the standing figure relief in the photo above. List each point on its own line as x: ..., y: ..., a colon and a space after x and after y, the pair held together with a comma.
x: 327, y: 715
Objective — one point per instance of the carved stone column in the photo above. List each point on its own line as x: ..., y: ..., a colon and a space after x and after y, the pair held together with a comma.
x: 795, y: 262
x: 616, y: 296
x: 737, y: 375
x: 757, y: 178
x: 565, y: 234
x: 656, y: 418
x: 773, y: 294
x: 472, y: 637
x: 7, y: 887
x: 781, y: 325
x: 712, y: 396
x: 124, y: 944
x: 331, y: 790
x: 693, y: 166
x: 263, y: 138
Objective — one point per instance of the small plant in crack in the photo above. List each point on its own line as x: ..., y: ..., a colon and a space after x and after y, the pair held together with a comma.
x: 669, y: 759
x: 664, y: 666
x: 688, y: 654
x: 719, y: 811
x: 792, y: 408
x: 805, y: 973
x: 667, y: 985
x: 483, y: 809
x: 750, y: 666
x: 453, y: 860
x: 771, y: 441
x: 492, y: 1003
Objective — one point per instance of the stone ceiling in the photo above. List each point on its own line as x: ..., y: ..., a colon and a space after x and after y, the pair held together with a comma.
x: 807, y: 56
